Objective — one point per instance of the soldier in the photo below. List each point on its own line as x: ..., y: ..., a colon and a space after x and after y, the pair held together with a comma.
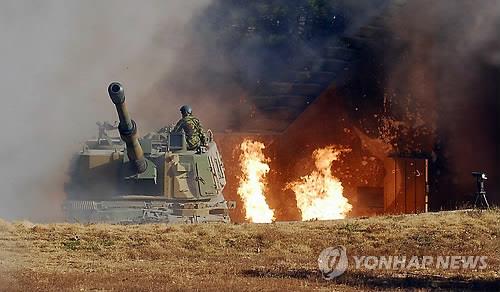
x: 195, y: 136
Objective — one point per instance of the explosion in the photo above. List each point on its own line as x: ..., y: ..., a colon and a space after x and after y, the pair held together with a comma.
x: 320, y: 194
x: 252, y: 182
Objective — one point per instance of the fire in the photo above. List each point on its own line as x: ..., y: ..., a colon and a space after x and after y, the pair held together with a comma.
x: 320, y: 195
x: 252, y: 182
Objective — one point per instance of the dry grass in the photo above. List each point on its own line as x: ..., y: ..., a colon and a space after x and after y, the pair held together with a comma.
x: 280, y: 256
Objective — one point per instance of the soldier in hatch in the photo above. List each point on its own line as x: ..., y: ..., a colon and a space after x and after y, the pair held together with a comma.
x: 195, y: 136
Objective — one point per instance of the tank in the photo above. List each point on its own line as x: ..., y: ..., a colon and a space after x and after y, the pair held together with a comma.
x: 126, y: 178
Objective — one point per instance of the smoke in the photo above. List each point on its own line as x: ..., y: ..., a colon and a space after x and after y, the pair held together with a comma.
x: 238, y: 47
x: 443, y: 74
x: 57, y: 58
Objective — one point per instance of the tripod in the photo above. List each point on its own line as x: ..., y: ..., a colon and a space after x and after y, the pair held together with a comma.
x: 480, y: 201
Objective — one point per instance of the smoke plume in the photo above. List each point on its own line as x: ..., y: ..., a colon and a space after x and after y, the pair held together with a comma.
x: 57, y: 58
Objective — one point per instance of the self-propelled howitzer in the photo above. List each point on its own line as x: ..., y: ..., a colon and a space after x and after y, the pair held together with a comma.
x: 153, y: 178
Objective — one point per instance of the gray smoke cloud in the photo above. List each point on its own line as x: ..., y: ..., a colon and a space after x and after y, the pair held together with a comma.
x: 238, y: 46
x: 57, y: 58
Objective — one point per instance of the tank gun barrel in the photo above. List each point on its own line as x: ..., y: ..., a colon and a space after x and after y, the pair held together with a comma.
x: 127, y: 127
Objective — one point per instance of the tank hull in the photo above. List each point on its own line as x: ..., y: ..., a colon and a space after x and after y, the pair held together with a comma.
x: 136, y: 211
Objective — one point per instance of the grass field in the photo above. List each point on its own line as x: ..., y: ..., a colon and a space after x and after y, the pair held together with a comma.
x: 245, y: 257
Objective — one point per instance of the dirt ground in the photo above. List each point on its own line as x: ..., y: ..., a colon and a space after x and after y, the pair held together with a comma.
x: 245, y: 257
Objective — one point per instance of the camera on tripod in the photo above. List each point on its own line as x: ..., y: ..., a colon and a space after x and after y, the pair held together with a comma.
x: 480, y: 176
x: 480, y: 200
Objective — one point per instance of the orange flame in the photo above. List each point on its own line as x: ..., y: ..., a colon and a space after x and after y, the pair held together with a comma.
x: 252, y: 182
x: 320, y: 194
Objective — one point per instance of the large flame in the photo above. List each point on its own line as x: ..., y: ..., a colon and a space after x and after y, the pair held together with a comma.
x: 320, y: 194
x: 252, y: 182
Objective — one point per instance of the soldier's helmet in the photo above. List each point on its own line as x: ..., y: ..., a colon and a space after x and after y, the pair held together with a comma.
x: 186, y: 110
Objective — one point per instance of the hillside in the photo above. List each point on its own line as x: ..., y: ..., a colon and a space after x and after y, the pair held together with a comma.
x: 280, y: 256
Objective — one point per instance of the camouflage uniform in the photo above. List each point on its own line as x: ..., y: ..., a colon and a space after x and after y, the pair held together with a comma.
x: 195, y: 136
